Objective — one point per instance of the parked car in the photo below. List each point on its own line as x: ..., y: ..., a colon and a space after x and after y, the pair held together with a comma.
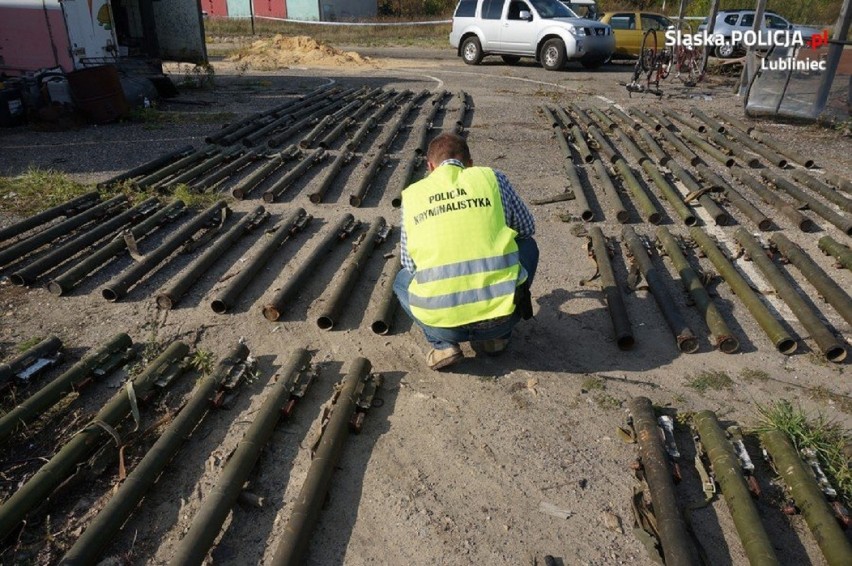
x: 543, y: 29
x: 629, y: 28
x: 583, y: 8
x: 743, y: 20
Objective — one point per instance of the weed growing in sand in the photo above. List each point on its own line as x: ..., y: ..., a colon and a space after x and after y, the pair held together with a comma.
x: 750, y: 375
x: 606, y: 401
x: 193, y: 199
x: 592, y: 383
x: 36, y: 190
x: 202, y: 361
x: 716, y: 380
x: 827, y: 439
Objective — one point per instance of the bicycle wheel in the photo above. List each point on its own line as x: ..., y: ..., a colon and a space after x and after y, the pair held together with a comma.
x: 648, y: 55
x: 664, y: 61
x: 689, y: 67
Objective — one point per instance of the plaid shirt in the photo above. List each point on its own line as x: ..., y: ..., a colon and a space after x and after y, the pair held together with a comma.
x: 517, y: 214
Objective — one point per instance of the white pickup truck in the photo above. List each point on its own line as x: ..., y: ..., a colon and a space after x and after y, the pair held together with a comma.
x: 543, y: 29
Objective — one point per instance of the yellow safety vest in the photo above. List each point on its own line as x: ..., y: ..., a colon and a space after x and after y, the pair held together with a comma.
x: 466, y: 258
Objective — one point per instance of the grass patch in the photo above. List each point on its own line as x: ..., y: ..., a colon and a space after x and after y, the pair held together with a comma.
x: 37, y: 190
x: 195, y: 200
x: 592, y: 383
x: 715, y: 380
x: 433, y: 36
x: 27, y: 344
x: 827, y: 439
x: 606, y: 401
x: 202, y: 361
x: 750, y: 375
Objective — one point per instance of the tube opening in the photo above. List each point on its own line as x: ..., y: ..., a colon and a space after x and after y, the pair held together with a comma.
x: 728, y: 344
x: 269, y: 197
x: 238, y: 194
x: 16, y: 279
x: 380, y: 327
x: 315, y: 198
x: 354, y: 200
x: 325, y: 323
x: 271, y: 313
x: 765, y: 224
x: 836, y: 354
x: 786, y: 346
x: 109, y: 295
x: 654, y: 218
x: 625, y: 342
x: 690, y: 220
x: 688, y: 345
x: 622, y: 216
x: 165, y: 302
x: 55, y: 288
x: 587, y: 215
x: 809, y: 164
x: 219, y: 306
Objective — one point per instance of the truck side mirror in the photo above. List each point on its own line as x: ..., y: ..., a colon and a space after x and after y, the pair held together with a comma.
x: 525, y: 15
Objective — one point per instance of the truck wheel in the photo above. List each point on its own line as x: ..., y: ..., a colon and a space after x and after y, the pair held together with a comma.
x: 510, y: 59
x: 471, y: 51
x: 553, y: 55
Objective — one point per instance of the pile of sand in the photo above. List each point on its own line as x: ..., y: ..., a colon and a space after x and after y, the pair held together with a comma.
x: 281, y: 52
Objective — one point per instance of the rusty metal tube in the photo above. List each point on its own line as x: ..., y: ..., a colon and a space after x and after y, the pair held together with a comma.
x: 845, y: 224
x: 785, y: 208
x: 678, y: 549
x: 841, y: 253
x: 646, y: 205
x: 382, y: 318
x: 720, y: 217
x: 616, y: 206
x: 670, y: 194
x: 686, y: 341
x: 824, y: 190
x: 741, y: 288
x: 771, y: 143
x: 611, y: 290
x: 724, y: 338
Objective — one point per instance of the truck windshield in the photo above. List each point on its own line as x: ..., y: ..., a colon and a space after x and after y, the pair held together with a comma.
x: 548, y: 9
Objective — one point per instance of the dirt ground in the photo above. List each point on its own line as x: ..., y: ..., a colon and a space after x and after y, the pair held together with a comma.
x: 453, y: 467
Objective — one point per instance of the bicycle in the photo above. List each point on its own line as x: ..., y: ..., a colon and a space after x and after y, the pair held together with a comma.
x: 653, y: 63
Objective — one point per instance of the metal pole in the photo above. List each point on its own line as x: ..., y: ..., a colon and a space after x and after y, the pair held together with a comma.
x: 611, y: 290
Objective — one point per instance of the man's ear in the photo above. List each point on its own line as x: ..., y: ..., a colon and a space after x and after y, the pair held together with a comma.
x: 430, y: 166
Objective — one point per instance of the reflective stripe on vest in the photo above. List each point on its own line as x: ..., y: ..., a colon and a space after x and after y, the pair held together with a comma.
x: 467, y: 261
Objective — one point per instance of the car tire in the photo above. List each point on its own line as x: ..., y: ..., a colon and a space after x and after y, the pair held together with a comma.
x: 553, y: 55
x: 471, y: 51
x: 725, y: 51
x: 510, y: 59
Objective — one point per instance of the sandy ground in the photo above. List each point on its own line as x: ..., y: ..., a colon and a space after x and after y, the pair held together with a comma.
x: 452, y: 467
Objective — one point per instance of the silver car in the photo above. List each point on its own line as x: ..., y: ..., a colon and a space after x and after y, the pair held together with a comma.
x: 728, y: 21
x: 543, y: 29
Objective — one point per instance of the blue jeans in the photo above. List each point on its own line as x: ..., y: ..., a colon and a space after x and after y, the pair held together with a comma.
x: 443, y: 338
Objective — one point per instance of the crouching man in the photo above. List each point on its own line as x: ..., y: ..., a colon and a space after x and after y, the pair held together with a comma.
x: 467, y: 252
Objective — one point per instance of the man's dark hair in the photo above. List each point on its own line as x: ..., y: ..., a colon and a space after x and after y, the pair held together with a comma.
x: 448, y: 146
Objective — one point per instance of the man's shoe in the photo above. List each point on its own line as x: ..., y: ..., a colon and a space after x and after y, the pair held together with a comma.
x: 496, y: 346
x: 437, y: 359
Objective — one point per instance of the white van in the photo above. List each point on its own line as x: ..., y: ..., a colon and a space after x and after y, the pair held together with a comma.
x: 543, y: 29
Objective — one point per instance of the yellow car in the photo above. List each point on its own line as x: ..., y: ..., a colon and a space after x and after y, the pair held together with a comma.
x: 629, y: 27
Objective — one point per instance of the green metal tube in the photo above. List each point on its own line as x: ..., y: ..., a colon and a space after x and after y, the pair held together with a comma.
x: 831, y: 347
x: 770, y: 325
x: 771, y: 143
x: 27, y: 275
x: 218, y: 503
x: 338, y: 295
x: 670, y: 194
x: 67, y: 209
x: 53, y: 473
x: 773, y: 157
x: 689, y: 122
x: 256, y: 177
x: 660, y: 118
x: 148, y: 166
x: 681, y: 147
x: 22, y: 248
x: 726, y: 468
x: 744, y: 206
x: 626, y: 120
x: 47, y: 347
x: 289, y: 226
x: 602, y: 144
x: 385, y: 308
x: 725, y: 340
x: 405, y: 178
x: 842, y: 184
x: 720, y: 217
x: 69, y: 279
x: 602, y: 118
x: 805, y: 491
x: 281, y: 185
x: 678, y: 549
x: 120, y: 284
x: 711, y: 123
x: 155, y: 177
x: 89, y: 547
x: 649, y: 211
x: 297, y: 534
x: 273, y: 310
x: 710, y: 150
x: 196, y: 171
x: 171, y: 295
x: 661, y: 156
x: 785, y: 208
x: 845, y: 224
x: 224, y: 172
x: 438, y: 103
x: 104, y: 359
x: 841, y: 253
x: 570, y: 171
x: 825, y: 285
x: 824, y: 190
x: 611, y: 291
x: 685, y: 339
x: 631, y: 146
x: 610, y: 194
x: 646, y: 119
